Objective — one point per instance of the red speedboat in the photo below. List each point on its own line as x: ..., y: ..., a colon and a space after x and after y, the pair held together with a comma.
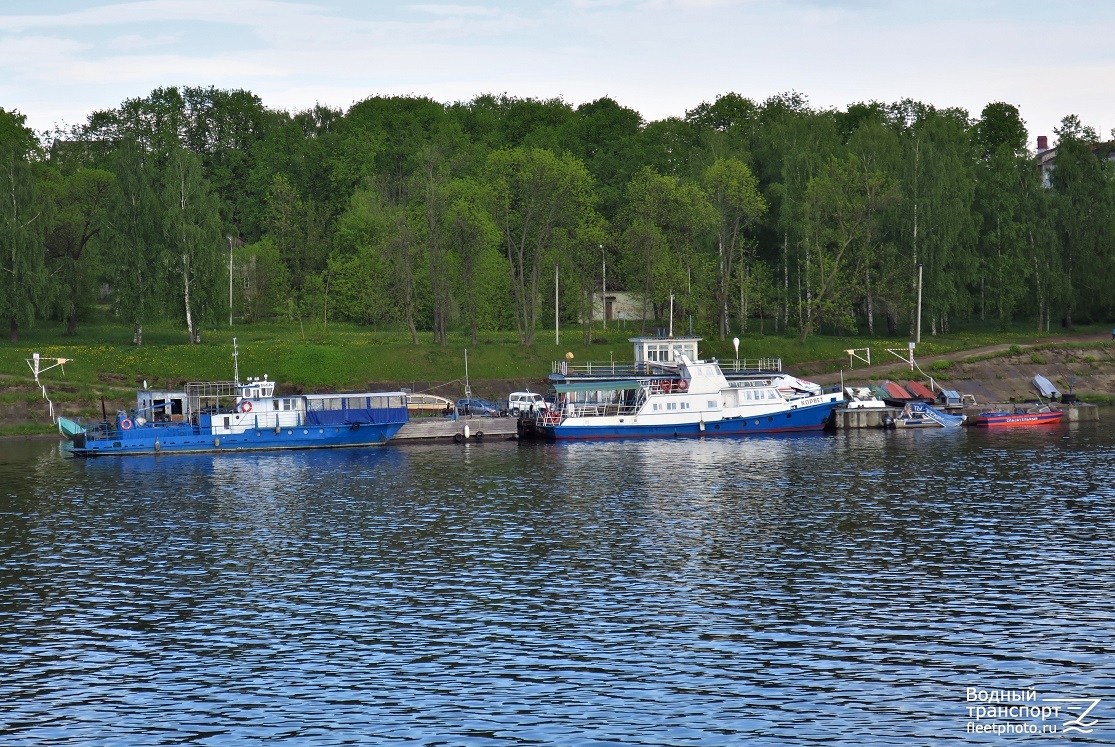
x: 1037, y: 416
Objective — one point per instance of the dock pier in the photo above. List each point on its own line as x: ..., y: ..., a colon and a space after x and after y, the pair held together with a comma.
x: 466, y: 428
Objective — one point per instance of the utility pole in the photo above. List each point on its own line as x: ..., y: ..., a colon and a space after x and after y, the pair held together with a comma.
x: 230, y: 281
x: 557, y: 320
x: 604, y: 287
x: 917, y: 332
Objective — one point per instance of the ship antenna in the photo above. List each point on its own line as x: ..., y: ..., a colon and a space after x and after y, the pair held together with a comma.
x: 235, y: 363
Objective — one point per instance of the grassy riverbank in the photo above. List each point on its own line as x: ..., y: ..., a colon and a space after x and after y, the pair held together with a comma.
x: 105, y: 364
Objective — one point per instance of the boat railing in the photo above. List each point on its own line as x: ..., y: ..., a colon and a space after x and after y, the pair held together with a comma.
x: 600, y: 368
x: 751, y: 364
x: 587, y: 410
x: 650, y: 368
x: 212, y: 389
x: 102, y: 431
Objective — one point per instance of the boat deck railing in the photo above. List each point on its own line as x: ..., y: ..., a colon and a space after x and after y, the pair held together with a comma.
x: 586, y: 410
x: 650, y: 368
x: 111, y: 432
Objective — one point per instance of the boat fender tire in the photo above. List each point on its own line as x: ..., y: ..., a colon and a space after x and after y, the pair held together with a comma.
x: 125, y: 424
x: 158, y: 446
x: 216, y: 442
x: 479, y: 436
x: 458, y: 437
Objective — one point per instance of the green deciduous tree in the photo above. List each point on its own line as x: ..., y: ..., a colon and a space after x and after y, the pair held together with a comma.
x: 191, y: 226
x: 843, y: 206
x: 792, y: 145
x: 607, y: 138
x: 82, y: 202
x: 135, y: 249
x: 1000, y: 127
x: 665, y: 225
x: 535, y: 194
x: 1005, y: 271
x: 472, y: 237
x: 1082, y: 200
x: 881, y: 274
x: 24, y: 218
x: 941, y: 232
x: 739, y: 205
x: 264, y: 280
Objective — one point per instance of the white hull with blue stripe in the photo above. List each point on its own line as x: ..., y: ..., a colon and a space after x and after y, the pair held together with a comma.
x: 693, y: 399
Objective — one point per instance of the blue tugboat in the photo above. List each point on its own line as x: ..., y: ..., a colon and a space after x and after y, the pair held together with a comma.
x: 219, y: 416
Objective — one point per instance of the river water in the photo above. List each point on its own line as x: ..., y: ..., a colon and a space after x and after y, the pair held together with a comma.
x: 860, y: 588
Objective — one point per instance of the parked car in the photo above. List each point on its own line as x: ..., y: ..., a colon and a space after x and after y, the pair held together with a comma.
x: 477, y: 407
x: 521, y: 403
x: 428, y: 404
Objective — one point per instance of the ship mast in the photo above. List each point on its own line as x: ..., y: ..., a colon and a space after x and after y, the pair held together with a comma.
x: 235, y: 363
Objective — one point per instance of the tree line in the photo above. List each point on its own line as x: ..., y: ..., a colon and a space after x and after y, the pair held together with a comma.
x: 435, y: 218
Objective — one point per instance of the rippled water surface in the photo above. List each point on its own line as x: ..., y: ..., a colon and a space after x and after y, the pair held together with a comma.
x: 842, y: 589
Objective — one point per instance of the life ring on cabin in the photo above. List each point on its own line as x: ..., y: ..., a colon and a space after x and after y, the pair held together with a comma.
x: 125, y: 425
x: 683, y: 385
x: 245, y: 407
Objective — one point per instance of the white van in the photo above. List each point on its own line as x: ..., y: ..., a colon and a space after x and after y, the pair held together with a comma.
x: 520, y: 403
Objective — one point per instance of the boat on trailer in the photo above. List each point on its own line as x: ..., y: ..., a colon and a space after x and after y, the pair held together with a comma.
x: 222, y: 416
x: 684, y: 397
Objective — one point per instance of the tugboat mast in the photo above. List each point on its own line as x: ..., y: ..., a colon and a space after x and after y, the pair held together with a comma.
x: 235, y: 363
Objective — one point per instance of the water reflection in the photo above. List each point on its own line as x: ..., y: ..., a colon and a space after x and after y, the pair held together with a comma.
x: 839, y: 588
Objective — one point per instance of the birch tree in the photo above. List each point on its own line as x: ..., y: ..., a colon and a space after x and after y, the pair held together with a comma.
x: 194, y: 238
x: 735, y: 195
x: 843, y: 205
x: 1082, y: 199
x: 23, y: 223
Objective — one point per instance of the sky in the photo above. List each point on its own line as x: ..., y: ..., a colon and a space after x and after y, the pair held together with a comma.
x: 61, y: 60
